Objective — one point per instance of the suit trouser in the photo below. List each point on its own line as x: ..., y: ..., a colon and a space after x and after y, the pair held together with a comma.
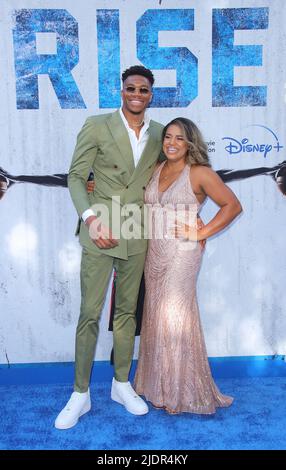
x: 96, y: 270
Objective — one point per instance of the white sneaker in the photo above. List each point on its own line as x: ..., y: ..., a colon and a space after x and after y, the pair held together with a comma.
x: 123, y: 393
x: 78, y: 405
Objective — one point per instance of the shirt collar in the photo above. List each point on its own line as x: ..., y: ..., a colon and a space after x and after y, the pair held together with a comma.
x: 125, y: 122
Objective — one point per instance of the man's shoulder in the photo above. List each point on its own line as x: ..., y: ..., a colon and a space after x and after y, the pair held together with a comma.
x: 157, y: 128
x: 156, y: 124
x: 99, y: 118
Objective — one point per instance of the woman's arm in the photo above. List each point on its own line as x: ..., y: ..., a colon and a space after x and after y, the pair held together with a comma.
x: 206, y: 181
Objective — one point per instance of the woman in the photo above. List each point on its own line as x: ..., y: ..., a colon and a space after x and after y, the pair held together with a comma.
x: 173, y: 371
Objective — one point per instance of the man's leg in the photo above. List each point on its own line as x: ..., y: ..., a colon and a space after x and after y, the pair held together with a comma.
x: 96, y: 270
x: 128, y: 278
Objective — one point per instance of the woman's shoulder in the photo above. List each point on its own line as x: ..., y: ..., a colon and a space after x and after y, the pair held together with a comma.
x: 157, y: 165
x: 202, y: 174
x: 201, y: 170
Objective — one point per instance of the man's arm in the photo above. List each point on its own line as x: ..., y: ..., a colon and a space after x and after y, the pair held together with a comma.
x: 83, y: 158
x: 82, y: 162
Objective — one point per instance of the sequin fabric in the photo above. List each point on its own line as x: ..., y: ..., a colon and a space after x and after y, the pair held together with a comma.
x: 173, y: 370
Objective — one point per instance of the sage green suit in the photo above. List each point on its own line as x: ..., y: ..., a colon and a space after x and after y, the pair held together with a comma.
x: 103, y: 146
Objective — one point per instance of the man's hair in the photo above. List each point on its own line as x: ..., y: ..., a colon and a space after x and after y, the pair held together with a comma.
x: 138, y: 70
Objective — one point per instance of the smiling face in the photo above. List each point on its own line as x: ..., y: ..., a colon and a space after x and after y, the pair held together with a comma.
x: 136, y: 94
x: 175, y: 146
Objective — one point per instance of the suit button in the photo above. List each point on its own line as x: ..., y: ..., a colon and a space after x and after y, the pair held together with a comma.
x: 144, y: 187
x: 115, y: 166
x: 127, y: 187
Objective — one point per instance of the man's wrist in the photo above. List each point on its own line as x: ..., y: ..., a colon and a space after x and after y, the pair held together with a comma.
x: 87, y: 213
x: 89, y: 220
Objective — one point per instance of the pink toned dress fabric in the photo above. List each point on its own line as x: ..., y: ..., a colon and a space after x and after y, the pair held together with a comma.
x: 173, y: 370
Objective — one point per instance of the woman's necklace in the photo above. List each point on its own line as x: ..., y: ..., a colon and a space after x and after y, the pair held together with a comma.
x: 165, y: 177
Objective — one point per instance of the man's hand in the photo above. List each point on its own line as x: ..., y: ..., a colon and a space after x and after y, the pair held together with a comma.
x: 100, y: 235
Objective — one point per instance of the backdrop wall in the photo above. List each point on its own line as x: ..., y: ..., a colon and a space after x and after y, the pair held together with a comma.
x: 220, y: 63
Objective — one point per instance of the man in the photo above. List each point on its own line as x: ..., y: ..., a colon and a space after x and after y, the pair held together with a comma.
x: 121, y: 149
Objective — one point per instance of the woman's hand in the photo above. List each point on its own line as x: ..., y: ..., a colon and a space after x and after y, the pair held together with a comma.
x: 200, y: 225
x: 186, y: 232
x: 90, y: 185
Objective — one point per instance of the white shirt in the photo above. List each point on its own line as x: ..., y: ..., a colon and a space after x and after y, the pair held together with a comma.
x: 137, y: 145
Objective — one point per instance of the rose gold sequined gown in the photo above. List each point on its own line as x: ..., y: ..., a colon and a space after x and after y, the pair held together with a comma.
x: 173, y: 370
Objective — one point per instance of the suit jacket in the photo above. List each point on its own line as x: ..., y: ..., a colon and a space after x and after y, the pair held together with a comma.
x: 103, y: 147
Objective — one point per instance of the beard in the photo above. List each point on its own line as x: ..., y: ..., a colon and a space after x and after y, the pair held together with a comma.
x: 136, y: 113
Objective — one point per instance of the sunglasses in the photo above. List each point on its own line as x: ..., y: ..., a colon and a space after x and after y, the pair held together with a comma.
x: 141, y: 90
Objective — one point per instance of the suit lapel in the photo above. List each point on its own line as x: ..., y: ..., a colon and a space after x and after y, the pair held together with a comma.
x: 121, y: 138
x: 150, y: 152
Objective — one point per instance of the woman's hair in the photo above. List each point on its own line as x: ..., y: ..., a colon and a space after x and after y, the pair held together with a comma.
x: 198, y: 150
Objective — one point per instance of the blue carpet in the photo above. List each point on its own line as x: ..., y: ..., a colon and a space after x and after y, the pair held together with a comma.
x: 256, y: 420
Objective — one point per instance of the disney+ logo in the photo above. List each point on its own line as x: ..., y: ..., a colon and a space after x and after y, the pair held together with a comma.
x: 235, y: 146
